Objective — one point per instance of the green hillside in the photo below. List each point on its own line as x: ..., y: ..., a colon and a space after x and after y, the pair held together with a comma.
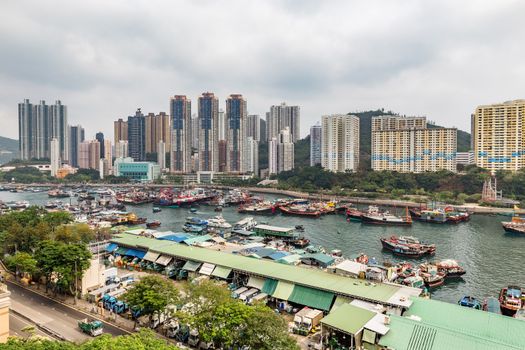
x: 8, y: 149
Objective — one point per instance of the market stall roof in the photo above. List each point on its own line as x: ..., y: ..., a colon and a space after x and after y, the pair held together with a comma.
x: 221, y: 272
x: 269, y: 286
x: 206, y: 269
x: 191, y: 266
x: 136, y: 253
x: 283, y: 290
x: 151, y: 256
x: 348, y: 319
x: 111, y: 247
x: 318, y: 299
x: 389, y: 294
x: 164, y: 260
x: 255, y: 282
x: 197, y: 239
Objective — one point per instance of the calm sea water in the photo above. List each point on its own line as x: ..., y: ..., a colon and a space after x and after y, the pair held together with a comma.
x: 492, y: 258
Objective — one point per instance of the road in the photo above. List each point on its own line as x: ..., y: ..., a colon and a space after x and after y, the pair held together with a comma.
x: 18, y: 323
x: 50, y: 314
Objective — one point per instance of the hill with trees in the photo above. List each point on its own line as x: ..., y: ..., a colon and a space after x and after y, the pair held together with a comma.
x: 8, y: 149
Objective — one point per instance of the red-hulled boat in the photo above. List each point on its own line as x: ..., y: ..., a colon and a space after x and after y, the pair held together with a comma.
x: 353, y: 214
x: 300, y: 211
x: 375, y: 217
x: 153, y: 224
x: 407, y: 246
x: 510, y: 300
x: 450, y: 268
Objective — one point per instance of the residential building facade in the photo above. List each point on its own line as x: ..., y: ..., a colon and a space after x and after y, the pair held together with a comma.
x: 76, y: 136
x: 89, y: 155
x: 181, y: 134
x: 340, y: 142
x: 208, y: 133
x: 236, y: 112
x: 136, y: 136
x: 498, y: 136
x: 315, y: 144
x: 407, y: 145
x: 280, y: 117
x: 253, y: 127
x: 120, y: 130
x: 157, y: 128
x: 281, y: 152
x: 55, y: 157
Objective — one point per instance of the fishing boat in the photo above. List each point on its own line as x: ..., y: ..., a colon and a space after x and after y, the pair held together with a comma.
x: 437, y: 216
x: 58, y: 193
x: 414, y: 282
x: 135, y: 220
x: 353, y: 214
x: 450, y: 268
x: 300, y: 210
x: 198, y: 229
x: 510, y: 300
x: 516, y: 225
x: 196, y: 221
x: 300, y: 242
x: 218, y: 224
x: 375, y: 217
x: 471, y: 302
x: 407, y: 246
x: 247, y: 224
x: 258, y: 208
x: 153, y: 224
x: 433, y: 278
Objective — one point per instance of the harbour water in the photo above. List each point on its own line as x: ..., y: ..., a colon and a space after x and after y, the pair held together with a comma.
x: 492, y: 258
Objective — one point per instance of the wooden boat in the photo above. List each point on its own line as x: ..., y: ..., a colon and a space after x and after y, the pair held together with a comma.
x: 353, y: 214
x: 407, y: 246
x: 153, y: 224
x: 375, y: 217
x: 510, y: 300
x: 300, y: 211
x: 516, y: 225
x: 471, y: 302
x: 433, y: 216
x: 135, y: 220
x: 300, y: 242
x: 433, y: 279
x: 259, y: 208
x: 450, y: 268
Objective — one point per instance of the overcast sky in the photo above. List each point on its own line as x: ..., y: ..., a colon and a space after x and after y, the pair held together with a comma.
x: 104, y: 59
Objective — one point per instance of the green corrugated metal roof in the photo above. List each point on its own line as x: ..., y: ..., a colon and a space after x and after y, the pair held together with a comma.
x: 283, y: 290
x: 410, y: 334
x: 340, y: 300
x: 348, y: 318
x: 314, y: 278
x: 197, y: 239
x: 191, y: 265
x: 221, y: 272
x: 472, y: 322
x: 318, y: 299
x: 269, y: 286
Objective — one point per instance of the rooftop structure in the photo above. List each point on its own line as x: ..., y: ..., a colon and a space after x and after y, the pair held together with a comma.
x: 280, y: 277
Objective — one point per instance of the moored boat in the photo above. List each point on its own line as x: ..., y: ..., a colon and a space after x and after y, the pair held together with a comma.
x: 436, y: 216
x: 353, y: 214
x: 450, y: 268
x: 153, y: 224
x: 516, y: 225
x: 156, y: 210
x: 375, y: 217
x: 471, y: 302
x: 510, y: 300
x: 407, y: 246
x: 300, y: 211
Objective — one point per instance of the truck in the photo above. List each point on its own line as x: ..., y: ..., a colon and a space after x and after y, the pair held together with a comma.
x: 307, y: 320
x: 91, y: 327
x: 237, y: 292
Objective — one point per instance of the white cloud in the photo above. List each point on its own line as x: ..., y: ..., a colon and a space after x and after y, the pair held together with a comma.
x: 104, y: 59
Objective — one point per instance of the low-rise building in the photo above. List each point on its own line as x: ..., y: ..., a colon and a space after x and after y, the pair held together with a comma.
x: 465, y: 158
x: 136, y: 171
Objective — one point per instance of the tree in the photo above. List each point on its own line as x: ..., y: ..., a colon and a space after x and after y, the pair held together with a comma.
x: 74, y: 233
x: 152, y: 294
x: 21, y: 262
x: 229, y: 323
x: 145, y: 340
x: 57, y: 218
x: 62, y: 264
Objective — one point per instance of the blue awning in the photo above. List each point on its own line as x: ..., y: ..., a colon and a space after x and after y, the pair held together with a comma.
x: 278, y: 255
x: 111, y: 247
x: 136, y: 253
x: 174, y: 238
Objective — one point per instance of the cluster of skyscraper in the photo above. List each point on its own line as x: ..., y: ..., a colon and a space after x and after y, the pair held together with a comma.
x: 214, y: 140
